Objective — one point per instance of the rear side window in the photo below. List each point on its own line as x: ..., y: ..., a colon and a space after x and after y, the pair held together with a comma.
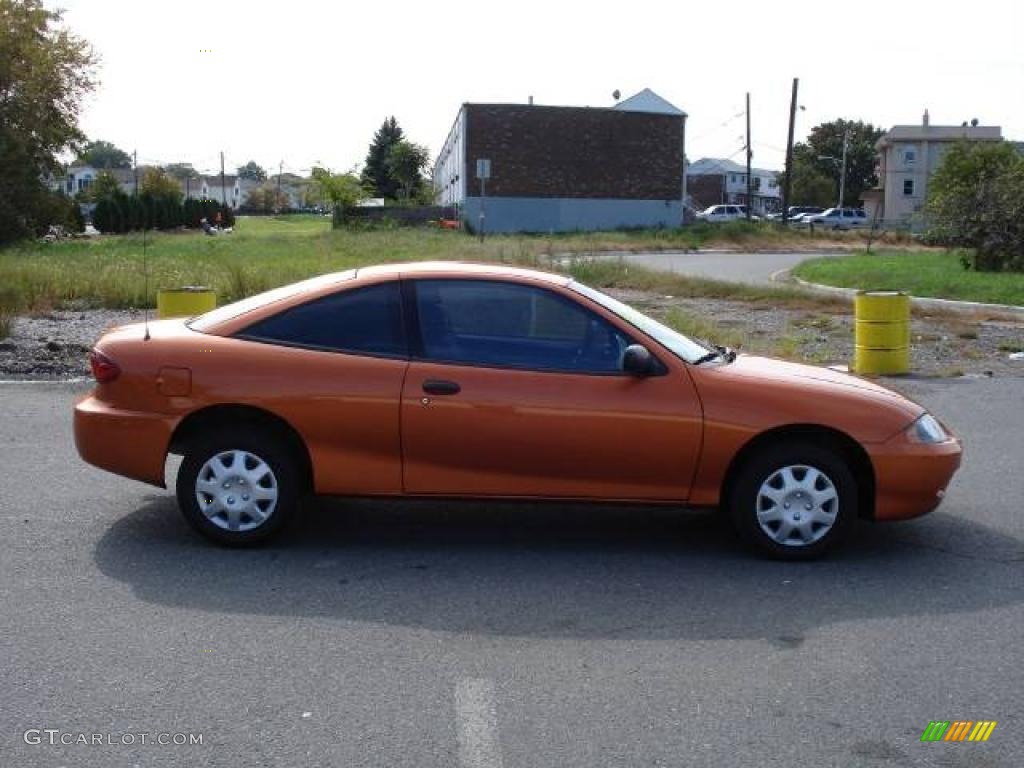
x: 361, y: 321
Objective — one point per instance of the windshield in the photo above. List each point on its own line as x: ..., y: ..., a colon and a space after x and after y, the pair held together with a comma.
x: 212, y: 319
x: 682, y: 346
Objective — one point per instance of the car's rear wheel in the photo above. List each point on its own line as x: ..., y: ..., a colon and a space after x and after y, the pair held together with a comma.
x: 237, y: 488
x: 794, y: 501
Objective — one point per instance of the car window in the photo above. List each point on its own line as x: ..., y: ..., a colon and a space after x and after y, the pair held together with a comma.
x: 848, y: 214
x: 361, y: 321
x: 496, y: 323
x: 229, y: 312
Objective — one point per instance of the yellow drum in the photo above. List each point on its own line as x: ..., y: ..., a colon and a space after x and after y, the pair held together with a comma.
x: 184, y: 302
x: 881, y: 332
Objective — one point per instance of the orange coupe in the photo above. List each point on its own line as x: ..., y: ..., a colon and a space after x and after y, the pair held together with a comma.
x: 486, y: 381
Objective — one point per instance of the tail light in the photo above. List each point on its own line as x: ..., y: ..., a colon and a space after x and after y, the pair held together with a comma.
x: 103, y: 368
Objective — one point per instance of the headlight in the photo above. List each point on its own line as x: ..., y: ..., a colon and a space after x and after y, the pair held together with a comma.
x: 927, y: 430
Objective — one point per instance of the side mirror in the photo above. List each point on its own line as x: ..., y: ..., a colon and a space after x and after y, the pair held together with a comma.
x: 637, y: 360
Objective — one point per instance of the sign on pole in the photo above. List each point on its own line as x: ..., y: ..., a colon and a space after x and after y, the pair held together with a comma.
x: 483, y: 168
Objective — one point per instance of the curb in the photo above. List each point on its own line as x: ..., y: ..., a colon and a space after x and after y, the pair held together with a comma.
x: 918, y: 301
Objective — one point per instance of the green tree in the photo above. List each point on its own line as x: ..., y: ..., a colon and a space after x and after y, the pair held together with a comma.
x: 45, y: 71
x: 376, y: 176
x: 976, y: 201
x: 103, y: 154
x: 267, y: 199
x: 406, y: 163
x: 809, y: 185
x: 338, y: 190
x: 181, y: 171
x: 823, y: 151
x: 103, y: 187
x: 158, y: 183
x: 252, y: 171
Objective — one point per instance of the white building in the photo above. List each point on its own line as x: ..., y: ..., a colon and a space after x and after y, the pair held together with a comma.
x: 907, y: 157
x: 713, y: 181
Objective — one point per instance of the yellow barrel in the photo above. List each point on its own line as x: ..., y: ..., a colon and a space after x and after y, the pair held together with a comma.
x: 881, y: 332
x: 184, y: 302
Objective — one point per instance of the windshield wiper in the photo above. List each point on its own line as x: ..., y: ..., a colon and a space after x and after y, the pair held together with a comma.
x: 707, y: 358
x: 725, y: 353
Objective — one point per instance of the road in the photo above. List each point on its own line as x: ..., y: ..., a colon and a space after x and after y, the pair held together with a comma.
x: 731, y: 267
x: 474, y: 636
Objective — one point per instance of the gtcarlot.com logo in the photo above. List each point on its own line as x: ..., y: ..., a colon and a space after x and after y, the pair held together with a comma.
x: 54, y: 737
x: 958, y: 730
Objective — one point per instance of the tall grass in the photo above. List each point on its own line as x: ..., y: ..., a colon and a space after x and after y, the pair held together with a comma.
x: 267, y: 252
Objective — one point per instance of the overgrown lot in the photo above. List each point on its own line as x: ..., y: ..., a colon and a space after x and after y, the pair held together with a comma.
x: 265, y: 252
x: 936, y: 274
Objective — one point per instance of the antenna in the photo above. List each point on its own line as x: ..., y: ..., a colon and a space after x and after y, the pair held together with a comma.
x: 145, y: 281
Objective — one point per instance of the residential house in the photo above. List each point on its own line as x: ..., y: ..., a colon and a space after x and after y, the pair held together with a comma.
x: 79, y: 177
x: 907, y: 157
x: 227, y: 190
x: 558, y: 168
x: 713, y: 181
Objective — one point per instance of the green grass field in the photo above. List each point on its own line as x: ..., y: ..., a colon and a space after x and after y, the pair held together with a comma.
x: 933, y: 274
x: 266, y: 252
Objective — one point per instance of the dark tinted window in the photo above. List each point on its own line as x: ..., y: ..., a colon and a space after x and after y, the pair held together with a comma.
x: 364, y: 320
x: 508, y: 324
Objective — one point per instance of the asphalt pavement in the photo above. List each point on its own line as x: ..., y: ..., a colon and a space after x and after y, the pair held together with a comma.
x: 482, y: 635
x: 756, y: 268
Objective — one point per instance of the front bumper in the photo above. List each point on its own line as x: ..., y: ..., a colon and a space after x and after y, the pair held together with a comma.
x: 911, y: 478
x: 128, y: 443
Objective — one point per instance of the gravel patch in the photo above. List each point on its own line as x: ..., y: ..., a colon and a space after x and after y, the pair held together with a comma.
x: 55, y: 345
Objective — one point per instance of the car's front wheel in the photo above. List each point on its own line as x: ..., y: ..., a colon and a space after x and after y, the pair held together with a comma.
x: 794, y: 501
x: 237, y: 488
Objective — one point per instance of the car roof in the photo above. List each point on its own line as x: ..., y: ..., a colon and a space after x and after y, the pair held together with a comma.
x: 460, y: 269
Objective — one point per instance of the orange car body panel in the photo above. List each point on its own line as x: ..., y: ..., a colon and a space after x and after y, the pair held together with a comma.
x: 522, y: 433
x: 370, y: 429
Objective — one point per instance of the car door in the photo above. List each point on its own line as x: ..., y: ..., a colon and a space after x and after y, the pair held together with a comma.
x: 343, y: 358
x: 516, y: 390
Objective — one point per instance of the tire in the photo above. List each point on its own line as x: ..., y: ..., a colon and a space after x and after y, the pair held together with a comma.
x: 769, y: 500
x: 248, y: 482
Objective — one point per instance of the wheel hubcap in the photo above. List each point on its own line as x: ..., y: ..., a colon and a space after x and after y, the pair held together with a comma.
x: 236, y: 490
x: 797, y: 505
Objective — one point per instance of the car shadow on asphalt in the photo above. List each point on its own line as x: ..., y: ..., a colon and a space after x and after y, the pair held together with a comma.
x: 560, y: 571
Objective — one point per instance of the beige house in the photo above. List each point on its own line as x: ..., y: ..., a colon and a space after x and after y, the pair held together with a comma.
x: 907, y: 157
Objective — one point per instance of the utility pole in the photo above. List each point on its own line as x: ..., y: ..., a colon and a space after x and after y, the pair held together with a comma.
x: 223, y: 184
x: 842, y: 173
x: 277, y: 200
x: 135, y: 170
x: 787, y: 182
x: 750, y: 154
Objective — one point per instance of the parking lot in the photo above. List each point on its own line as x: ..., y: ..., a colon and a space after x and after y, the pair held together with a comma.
x: 480, y: 635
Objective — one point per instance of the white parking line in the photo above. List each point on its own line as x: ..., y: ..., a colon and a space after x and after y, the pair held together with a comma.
x: 476, y: 723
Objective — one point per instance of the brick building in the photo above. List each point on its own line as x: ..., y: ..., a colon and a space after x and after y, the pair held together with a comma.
x: 555, y: 169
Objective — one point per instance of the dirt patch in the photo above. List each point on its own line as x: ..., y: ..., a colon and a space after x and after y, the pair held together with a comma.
x: 943, y: 344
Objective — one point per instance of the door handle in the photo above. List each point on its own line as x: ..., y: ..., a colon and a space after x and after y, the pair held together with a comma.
x: 441, y: 387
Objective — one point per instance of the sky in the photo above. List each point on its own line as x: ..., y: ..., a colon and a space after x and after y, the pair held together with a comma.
x: 308, y: 82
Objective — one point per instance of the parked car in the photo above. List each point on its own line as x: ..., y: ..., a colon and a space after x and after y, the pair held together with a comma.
x: 837, y: 218
x: 445, y: 380
x: 716, y: 213
x: 794, y: 212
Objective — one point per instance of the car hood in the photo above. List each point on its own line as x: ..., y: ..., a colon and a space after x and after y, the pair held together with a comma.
x: 781, y: 370
x: 783, y: 392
